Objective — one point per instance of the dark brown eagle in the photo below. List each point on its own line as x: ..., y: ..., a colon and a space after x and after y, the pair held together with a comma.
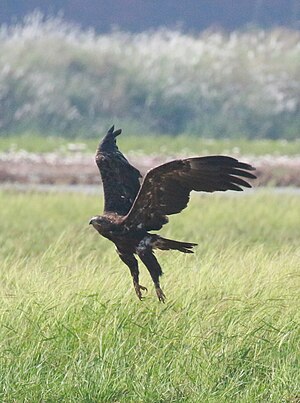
x: 132, y: 209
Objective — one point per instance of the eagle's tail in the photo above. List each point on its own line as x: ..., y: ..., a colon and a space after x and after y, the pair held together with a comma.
x: 167, y: 244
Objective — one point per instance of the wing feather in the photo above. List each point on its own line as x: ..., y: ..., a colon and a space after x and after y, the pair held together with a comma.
x: 166, y: 188
x: 120, y: 179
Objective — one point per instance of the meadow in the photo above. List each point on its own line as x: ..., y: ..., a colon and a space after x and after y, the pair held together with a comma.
x: 153, y: 144
x: 72, y: 329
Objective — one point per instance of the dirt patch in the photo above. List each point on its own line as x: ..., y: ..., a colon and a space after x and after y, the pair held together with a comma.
x: 79, y: 168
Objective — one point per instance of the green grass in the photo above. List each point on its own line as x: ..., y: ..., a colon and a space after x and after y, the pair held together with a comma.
x: 72, y: 329
x: 164, y: 144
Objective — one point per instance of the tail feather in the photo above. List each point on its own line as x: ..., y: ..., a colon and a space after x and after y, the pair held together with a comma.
x: 167, y: 244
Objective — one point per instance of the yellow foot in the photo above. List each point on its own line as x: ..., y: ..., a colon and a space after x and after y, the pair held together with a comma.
x: 138, y: 289
x: 161, y: 296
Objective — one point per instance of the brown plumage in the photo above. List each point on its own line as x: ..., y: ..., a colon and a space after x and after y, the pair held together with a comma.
x: 131, y: 209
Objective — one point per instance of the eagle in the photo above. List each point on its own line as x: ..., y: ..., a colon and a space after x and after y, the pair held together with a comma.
x: 133, y: 205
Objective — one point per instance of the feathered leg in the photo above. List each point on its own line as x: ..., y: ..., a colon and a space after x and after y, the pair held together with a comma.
x: 150, y: 261
x: 132, y: 263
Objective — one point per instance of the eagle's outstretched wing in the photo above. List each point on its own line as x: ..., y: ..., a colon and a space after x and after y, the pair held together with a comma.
x: 120, y: 179
x: 166, y: 188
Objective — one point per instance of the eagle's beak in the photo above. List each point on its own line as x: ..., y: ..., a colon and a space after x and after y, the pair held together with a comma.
x: 91, y: 222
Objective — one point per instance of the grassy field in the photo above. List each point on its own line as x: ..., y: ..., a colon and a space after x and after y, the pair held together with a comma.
x: 72, y: 329
x: 148, y: 144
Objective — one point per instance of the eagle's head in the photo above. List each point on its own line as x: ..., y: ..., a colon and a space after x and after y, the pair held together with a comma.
x: 100, y: 223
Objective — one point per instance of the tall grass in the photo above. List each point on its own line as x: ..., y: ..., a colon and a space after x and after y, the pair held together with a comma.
x: 73, y: 330
x: 55, y: 78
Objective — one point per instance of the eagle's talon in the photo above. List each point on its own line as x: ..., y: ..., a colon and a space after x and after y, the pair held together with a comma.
x: 138, y: 289
x: 160, y: 295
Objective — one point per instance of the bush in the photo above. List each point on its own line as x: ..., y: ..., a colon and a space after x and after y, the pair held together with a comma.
x: 55, y: 78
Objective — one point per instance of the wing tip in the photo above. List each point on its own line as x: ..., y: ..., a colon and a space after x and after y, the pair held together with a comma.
x: 108, y: 143
x: 113, y: 132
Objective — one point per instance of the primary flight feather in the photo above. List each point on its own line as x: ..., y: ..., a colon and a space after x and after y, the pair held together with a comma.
x: 132, y: 209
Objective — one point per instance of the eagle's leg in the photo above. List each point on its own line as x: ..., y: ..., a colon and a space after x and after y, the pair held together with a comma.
x: 132, y: 263
x: 150, y: 261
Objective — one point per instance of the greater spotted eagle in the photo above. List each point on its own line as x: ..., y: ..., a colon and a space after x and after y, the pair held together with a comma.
x: 131, y: 208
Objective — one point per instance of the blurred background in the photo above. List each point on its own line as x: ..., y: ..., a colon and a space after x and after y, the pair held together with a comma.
x: 215, y: 76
